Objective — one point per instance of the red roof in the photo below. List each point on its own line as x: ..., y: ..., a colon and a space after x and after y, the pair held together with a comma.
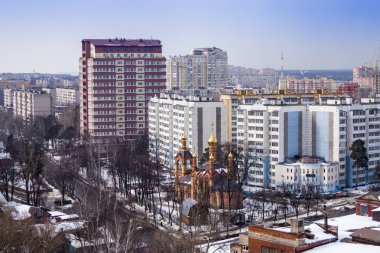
x: 124, y: 42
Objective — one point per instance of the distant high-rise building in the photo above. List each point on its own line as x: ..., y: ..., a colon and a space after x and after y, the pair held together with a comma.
x: 118, y: 77
x: 364, y: 76
x: 306, y: 85
x: 203, y: 68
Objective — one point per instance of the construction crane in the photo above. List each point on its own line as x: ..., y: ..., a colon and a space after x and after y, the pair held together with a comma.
x: 374, y: 73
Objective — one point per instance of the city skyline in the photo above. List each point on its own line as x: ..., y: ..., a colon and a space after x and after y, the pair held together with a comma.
x: 45, y: 36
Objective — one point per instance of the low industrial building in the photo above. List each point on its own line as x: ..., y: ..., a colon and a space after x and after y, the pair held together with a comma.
x: 367, y: 203
x: 295, y: 238
x: 366, y: 236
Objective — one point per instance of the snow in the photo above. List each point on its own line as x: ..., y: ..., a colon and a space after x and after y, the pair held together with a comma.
x: 346, y: 225
x: 4, y: 155
x: 319, y: 234
x: 56, y: 213
x: 62, y: 227
x: 349, y: 222
x: 68, y: 226
x: 346, y: 248
x: 219, y: 246
x: 77, y: 242
x: 57, y: 157
x: 69, y: 216
x: 22, y: 212
x: 56, y: 194
x: 2, y: 199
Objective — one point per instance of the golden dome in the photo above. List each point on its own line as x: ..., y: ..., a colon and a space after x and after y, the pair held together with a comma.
x: 230, y: 155
x: 211, y: 157
x: 212, y: 140
x: 184, y: 137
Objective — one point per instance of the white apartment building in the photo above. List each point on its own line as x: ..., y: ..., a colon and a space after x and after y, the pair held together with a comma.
x: 251, y: 96
x: 31, y: 103
x: 63, y: 96
x: 203, y: 68
x: 306, y: 85
x: 170, y: 116
x: 308, y: 173
x: 8, y: 98
x: 278, y: 130
x: 66, y: 96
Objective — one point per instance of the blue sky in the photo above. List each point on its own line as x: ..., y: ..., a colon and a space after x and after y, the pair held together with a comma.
x: 45, y: 36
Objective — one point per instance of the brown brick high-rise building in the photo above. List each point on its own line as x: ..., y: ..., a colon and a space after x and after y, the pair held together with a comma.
x: 117, y: 79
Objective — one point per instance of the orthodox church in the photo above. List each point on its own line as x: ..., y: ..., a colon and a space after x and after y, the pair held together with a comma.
x: 210, y: 183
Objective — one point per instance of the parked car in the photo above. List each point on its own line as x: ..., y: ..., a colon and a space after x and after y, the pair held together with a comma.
x: 328, y: 195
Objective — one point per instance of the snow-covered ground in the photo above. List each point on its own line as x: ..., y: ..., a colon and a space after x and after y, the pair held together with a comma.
x: 54, y: 195
x: 218, y: 247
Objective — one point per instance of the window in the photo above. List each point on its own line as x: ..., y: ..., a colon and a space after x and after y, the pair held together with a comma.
x: 267, y: 250
x: 245, y: 247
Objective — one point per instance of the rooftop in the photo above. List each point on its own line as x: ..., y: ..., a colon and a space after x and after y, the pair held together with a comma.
x: 367, y: 234
x: 124, y: 42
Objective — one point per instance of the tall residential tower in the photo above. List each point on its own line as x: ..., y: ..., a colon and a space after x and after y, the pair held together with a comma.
x: 203, y: 68
x: 118, y: 77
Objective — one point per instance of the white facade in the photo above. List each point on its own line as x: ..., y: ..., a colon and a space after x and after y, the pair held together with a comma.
x: 171, y: 116
x: 278, y: 131
x: 8, y: 97
x: 66, y: 96
x: 63, y: 96
x: 204, y: 68
x: 306, y: 85
x: 29, y: 104
x: 308, y: 172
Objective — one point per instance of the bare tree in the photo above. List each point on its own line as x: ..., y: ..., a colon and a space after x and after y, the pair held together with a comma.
x: 23, y: 236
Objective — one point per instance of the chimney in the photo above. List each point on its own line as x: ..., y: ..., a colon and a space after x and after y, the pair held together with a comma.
x: 296, y: 226
x: 325, y: 225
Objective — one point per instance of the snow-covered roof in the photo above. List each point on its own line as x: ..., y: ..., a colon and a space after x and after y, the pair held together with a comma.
x: 319, y: 234
x: 22, y: 212
x: 345, y: 247
x: 61, y: 227
x: 56, y: 213
x: 68, y: 226
x: 187, y: 204
x: 69, y: 216
x: 316, y: 230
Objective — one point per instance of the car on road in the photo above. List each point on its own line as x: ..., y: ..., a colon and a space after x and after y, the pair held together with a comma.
x: 328, y: 195
x: 345, y: 194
